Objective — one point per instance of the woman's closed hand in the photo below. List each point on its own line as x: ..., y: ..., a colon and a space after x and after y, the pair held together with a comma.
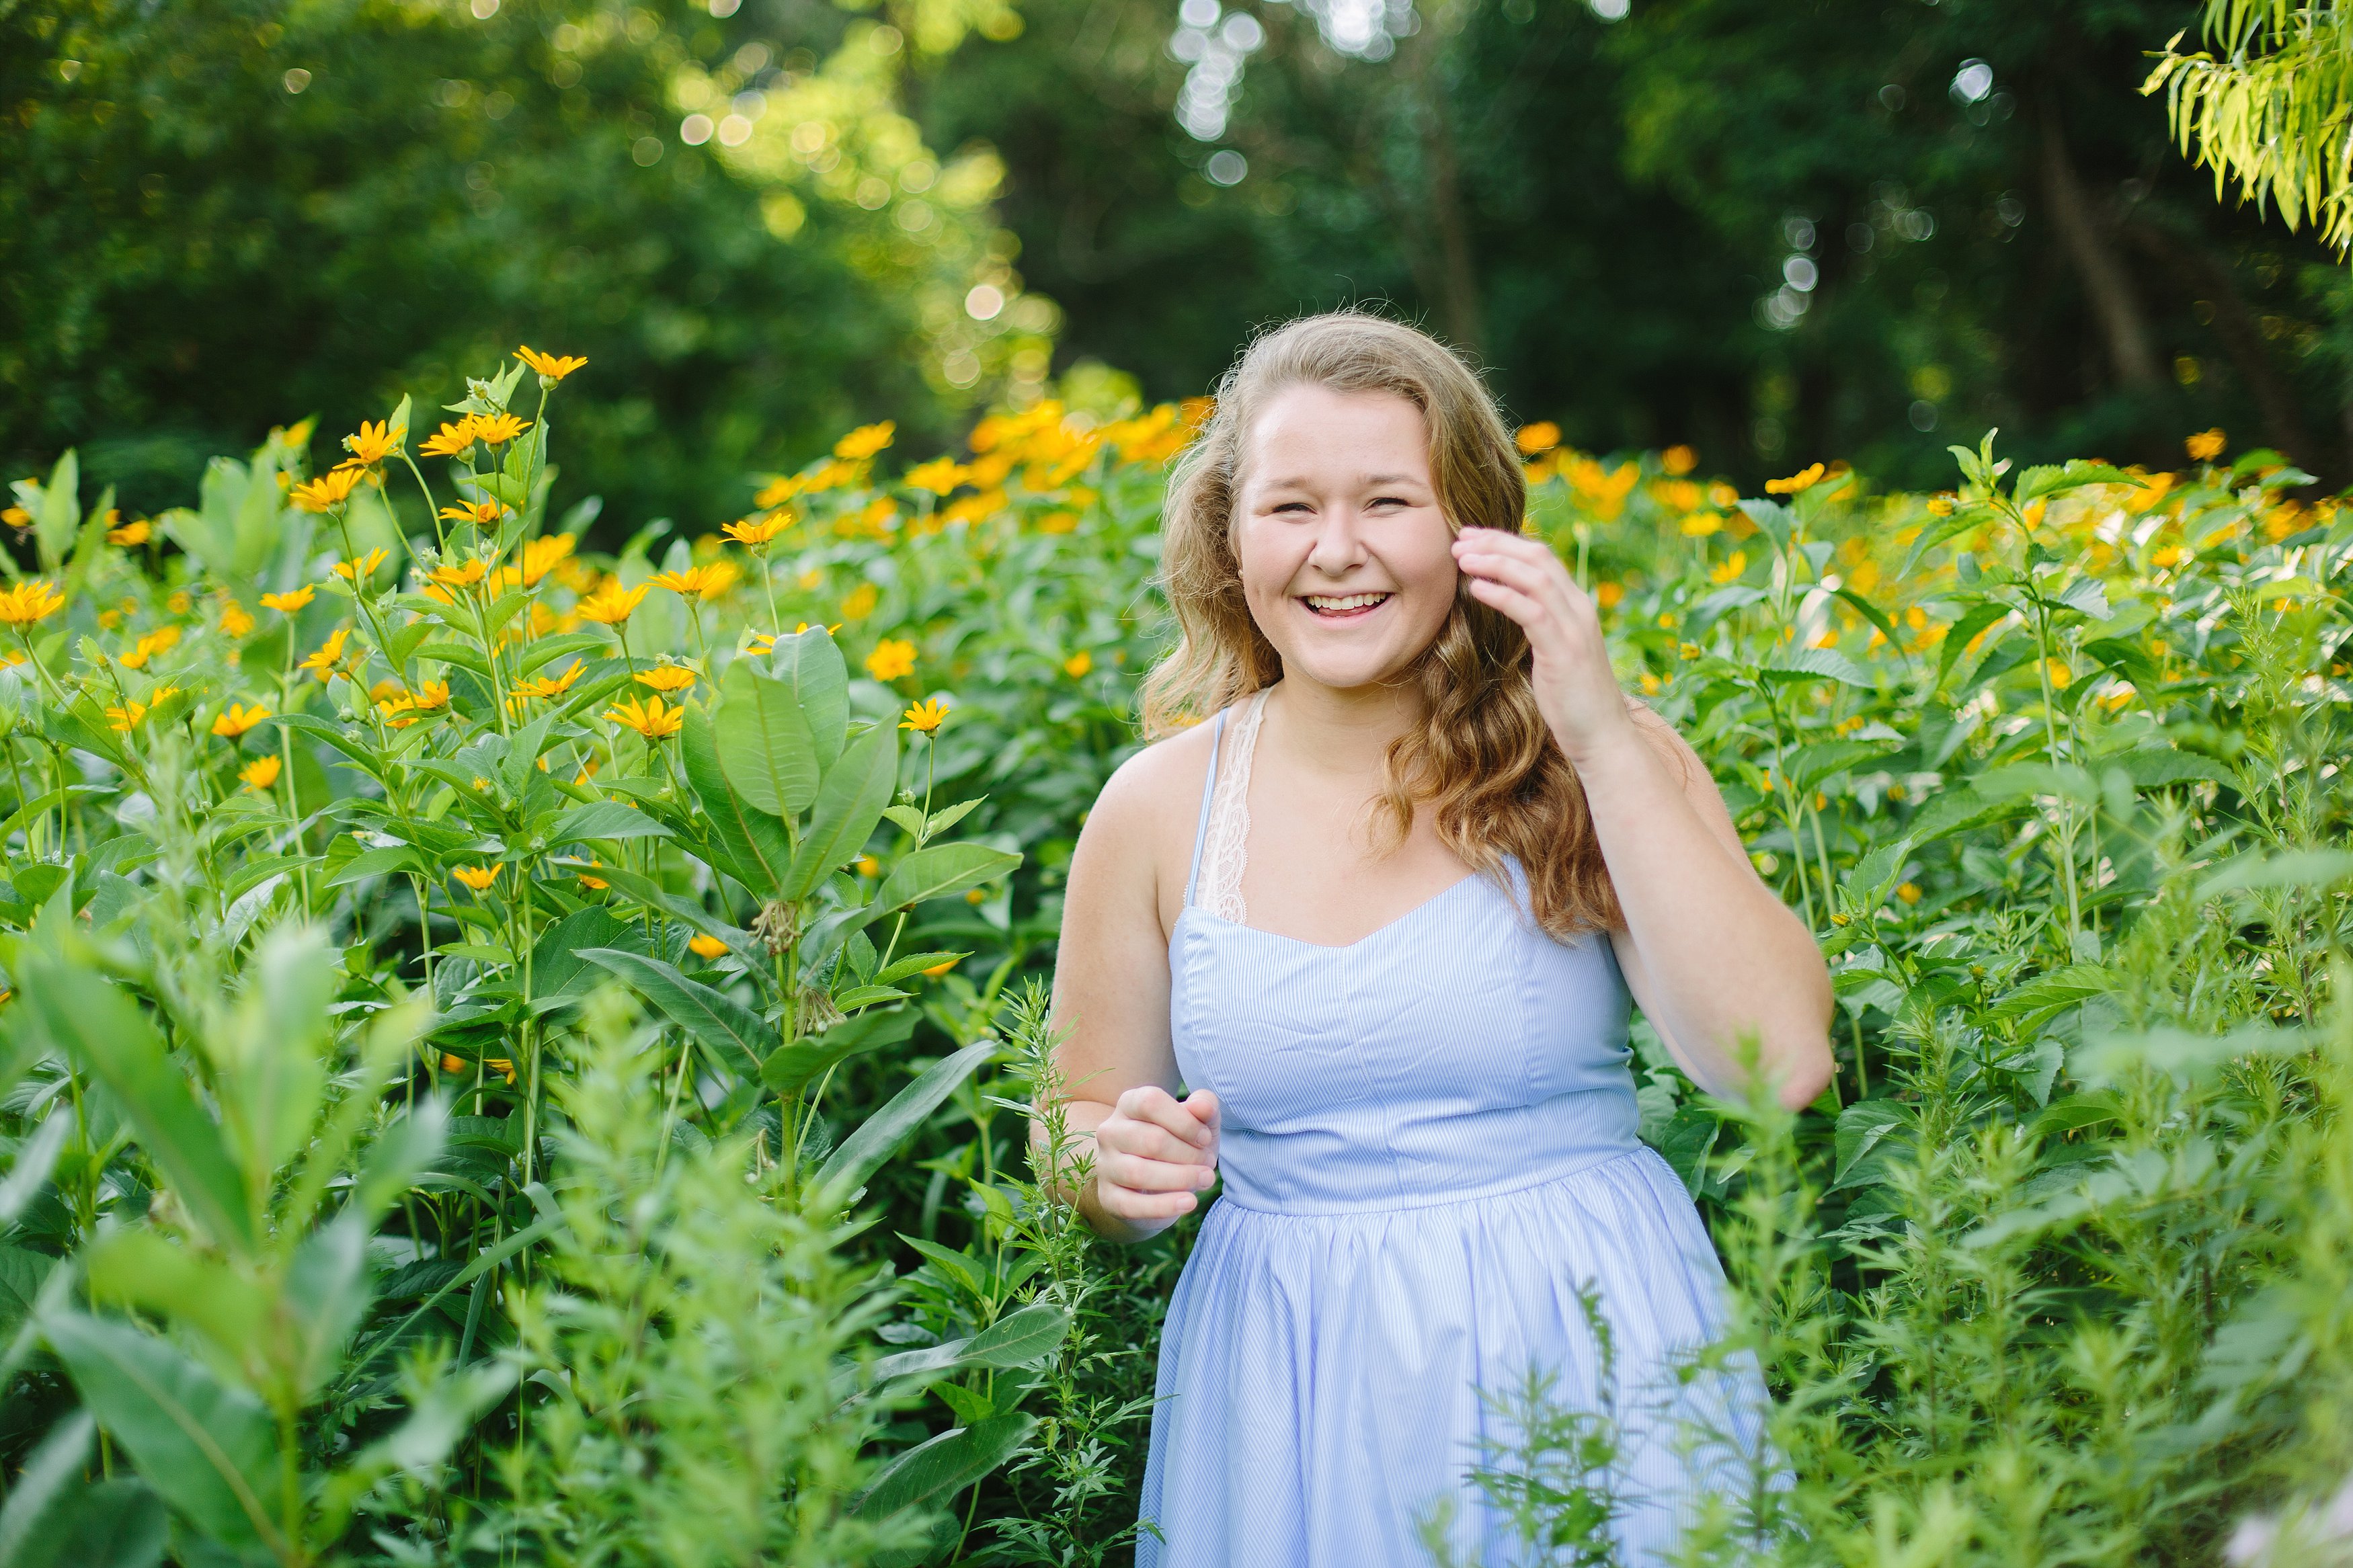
x: 1575, y: 688
x: 1154, y: 1151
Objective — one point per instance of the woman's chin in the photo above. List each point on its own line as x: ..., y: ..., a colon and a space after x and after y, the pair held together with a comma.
x: 1350, y: 670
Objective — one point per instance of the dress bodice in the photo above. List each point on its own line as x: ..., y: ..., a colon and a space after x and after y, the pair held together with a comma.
x: 1456, y: 1052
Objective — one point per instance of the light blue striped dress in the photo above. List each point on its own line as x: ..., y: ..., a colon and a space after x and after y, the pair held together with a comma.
x: 1427, y: 1147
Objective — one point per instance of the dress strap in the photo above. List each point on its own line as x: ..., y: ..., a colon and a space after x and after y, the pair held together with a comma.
x: 1208, y: 792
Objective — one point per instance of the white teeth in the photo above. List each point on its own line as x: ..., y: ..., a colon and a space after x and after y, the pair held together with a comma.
x: 1350, y: 601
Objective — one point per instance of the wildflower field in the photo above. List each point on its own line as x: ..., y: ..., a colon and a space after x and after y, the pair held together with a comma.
x: 521, y: 1054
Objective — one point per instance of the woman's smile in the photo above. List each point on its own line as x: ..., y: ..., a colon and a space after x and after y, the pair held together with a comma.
x: 1344, y: 606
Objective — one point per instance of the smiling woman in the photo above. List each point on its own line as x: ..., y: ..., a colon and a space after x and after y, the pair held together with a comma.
x: 1380, y: 920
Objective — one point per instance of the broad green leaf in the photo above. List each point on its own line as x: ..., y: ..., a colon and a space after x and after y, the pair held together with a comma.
x: 549, y: 649
x: 792, y: 1068
x: 2181, y: 1054
x: 556, y: 967
x: 2313, y: 868
x: 686, y: 912
x: 1862, y: 1127
x: 849, y: 804
x: 862, y: 1152
x: 915, y: 963
x: 757, y: 843
x: 206, y: 1447
x: 2156, y: 767
x: 763, y: 743
x: 59, y: 517
x: 941, y: 869
x: 929, y: 1473
x: 55, y: 1520
x: 327, y: 1291
x: 523, y: 752
x: 1874, y: 614
x: 1020, y: 1339
x: 605, y: 819
x: 732, y: 1032
x: 22, y: 1273
x: 1807, y: 663
x: 810, y: 663
x: 103, y: 1029
x: 1810, y: 765
x: 381, y: 862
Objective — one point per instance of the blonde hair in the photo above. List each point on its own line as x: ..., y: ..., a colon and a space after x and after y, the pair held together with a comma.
x: 1483, y: 757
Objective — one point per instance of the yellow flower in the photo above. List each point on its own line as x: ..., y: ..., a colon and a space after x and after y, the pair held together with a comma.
x: 937, y: 970
x: 1909, y: 892
x: 478, y: 878
x: 938, y: 476
x: 1942, y: 504
x: 498, y: 429
x: 864, y: 441
x: 704, y: 582
x: 1608, y: 594
x: 1078, y: 664
x: 327, y: 491
x: 397, y: 708
x: 1734, y: 565
x: 234, y: 620
x: 481, y: 514
x: 450, y: 439
x: 544, y: 554
x: 1542, y: 436
x: 499, y: 1064
x: 238, y: 718
x: 373, y: 445
x: 552, y: 367
x: 707, y: 946
x: 667, y: 678
x: 758, y: 532
x: 2204, y: 447
x: 180, y: 604
x: 652, y: 720
x: 465, y: 574
x: 860, y: 603
x: 131, y: 533
x: 612, y: 604
x: 892, y: 658
x: 867, y: 866
x: 430, y: 695
x: 1804, y: 478
x: 598, y: 883
x: 1678, y: 460
x: 2061, y: 675
x: 360, y: 571
x: 285, y: 604
x: 1700, y: 524
x: 260, y: 774
x: 150, y: 645
x: 552, y: 686
x: 925, y: 717
x: 322, y: 663
x: 125, y: 719
x: 30, y: 603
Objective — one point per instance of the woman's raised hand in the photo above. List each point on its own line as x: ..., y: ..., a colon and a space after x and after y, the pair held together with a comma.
x: 1153, y: 1153
x: 1575, y: 688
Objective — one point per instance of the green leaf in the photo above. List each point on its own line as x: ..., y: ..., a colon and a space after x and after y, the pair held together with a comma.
x: 1860, y: 1129
x: 729, y: 1030
x: 556, y: 967
x: 850, y: 803
x: 2077, y: 472
x: 810, y: 663
x: 105, y: 1031
x: 381, y: 862
x: 915, y: 963
x: 605, y: 819
x: 1809, y: 663
x: 59, y: 517
x: 465, y: 656
x: 939, y: 870
x: 758, y: 844
x: 523, y: 752
x: 2307, y: 868
x: 649, y: 892
x: 549, y: 649
x: 862, y: 1152
x: 1874, y: 614
x: 1022, y: 1339
x: 1957, y: 641
x: 858, y: 997
x: 55, y: 1519
x: 1810, y: 765
x: 206, y: 1448
x: 930, y: 1472
x: 763, y: 742
x: 2039, y: 998
x: 21, y: 1277
x: 2155, y: 767
x: 792, y: 1068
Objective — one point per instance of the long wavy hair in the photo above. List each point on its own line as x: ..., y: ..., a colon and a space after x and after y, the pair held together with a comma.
x: 1482, y: 759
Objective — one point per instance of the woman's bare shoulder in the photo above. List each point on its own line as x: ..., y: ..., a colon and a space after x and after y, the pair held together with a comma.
x: 1160, y: 783
x: 1137, y: 841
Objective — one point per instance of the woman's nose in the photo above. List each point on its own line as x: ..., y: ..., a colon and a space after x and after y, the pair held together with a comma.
x: 1339, y: 543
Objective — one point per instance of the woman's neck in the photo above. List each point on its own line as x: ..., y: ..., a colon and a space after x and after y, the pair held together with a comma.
x: 1345, y: 732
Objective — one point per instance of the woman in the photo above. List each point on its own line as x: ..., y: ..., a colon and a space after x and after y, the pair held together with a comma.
x: 1379, y: 918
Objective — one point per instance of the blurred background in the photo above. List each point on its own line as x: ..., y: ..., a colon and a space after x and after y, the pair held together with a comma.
x: 1775, y: 229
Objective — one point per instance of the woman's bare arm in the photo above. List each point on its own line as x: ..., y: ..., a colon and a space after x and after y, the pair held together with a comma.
x: 1151, y: 1153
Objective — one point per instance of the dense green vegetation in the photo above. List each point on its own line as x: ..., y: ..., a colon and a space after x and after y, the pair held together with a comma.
x: 513, y: 1058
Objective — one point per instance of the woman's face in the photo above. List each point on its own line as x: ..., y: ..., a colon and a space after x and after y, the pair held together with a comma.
x: 1345, y: 557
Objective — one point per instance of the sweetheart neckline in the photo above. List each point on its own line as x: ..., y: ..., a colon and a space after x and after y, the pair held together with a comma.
x: 1384, y: 928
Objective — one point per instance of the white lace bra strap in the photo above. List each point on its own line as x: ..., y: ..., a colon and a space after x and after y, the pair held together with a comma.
x: 1208, y: 792
x: 1219, y: 879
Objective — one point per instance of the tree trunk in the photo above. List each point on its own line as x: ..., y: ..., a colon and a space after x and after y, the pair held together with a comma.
x: 2114, y: 305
